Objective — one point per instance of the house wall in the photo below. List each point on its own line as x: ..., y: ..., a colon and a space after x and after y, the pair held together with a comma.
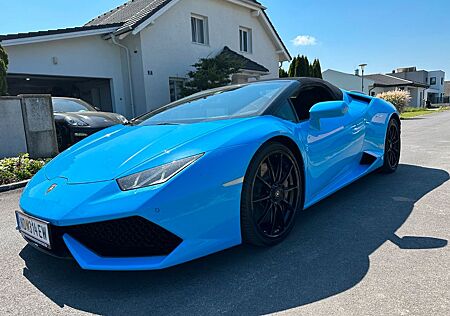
x: 420, y: 76
x: 346, y: 81
x: 89, y: 56
x: 168, y: 51
x: 436, y: 92
x: 440, y: 79
x: 133, y: 42
x: 423, y: 76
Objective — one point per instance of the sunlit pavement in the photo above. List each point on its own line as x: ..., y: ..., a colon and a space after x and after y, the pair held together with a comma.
x: 379, y: 247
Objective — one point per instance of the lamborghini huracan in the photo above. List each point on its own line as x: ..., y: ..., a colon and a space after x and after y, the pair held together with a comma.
x: 219, y: 168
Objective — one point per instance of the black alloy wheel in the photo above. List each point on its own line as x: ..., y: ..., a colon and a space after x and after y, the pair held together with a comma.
x: 272, y: 193
x: 392, y: 147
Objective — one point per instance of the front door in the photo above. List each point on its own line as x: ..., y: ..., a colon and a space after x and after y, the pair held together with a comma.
x: 333, y: 149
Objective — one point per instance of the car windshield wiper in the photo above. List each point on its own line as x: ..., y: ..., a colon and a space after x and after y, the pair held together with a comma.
x: 137, y: 122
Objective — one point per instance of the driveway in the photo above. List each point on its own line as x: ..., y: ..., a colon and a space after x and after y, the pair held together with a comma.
x: 378, y: 247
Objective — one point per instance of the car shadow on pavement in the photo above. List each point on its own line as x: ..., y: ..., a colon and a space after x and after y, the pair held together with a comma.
x: 327, y: 253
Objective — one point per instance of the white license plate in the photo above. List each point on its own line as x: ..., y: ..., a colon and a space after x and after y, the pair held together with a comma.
x: 34, y: 229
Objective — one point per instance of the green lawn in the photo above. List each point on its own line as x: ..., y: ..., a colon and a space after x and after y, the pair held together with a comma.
x: 414, y: 112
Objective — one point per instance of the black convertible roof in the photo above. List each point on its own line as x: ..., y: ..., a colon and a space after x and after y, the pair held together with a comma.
x: 306, y: 81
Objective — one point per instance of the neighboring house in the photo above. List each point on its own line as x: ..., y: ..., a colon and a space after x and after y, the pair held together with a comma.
x: 447, y: 92
x: 346, y: 81
x: 135, y: 58
x: 377, y: 83
x: 383, y: 83
x: 434, y: 79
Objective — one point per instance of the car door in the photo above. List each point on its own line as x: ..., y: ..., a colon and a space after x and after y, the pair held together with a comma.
x: 334, y: 148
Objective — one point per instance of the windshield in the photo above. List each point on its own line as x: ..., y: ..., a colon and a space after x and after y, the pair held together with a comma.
x: 222, y: 103
x: 71, y: 105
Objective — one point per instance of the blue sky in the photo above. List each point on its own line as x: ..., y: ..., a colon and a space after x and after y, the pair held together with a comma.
x: 385, y: 34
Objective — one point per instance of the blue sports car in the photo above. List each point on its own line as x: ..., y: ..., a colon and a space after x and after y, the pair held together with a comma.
x: 211, y: 171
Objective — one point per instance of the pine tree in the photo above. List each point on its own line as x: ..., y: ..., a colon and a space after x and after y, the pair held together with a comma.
x: 307, y: 68
x: 3, y: 70
x: 317, y: 69
x: 302, y: 67
x: 297, y: 66
x: 283, y: 73
x: 292, y: 67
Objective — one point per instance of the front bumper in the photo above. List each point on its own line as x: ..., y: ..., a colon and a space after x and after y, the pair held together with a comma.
x: 195, y: 206
x: 121, y: 238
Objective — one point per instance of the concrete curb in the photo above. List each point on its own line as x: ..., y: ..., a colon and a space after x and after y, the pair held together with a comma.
x: 13, y: 186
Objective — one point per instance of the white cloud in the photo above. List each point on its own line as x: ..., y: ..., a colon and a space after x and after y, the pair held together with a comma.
x: 304, y: 40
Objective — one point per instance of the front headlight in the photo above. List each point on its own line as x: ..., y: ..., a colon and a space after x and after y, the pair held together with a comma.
x: 157, y: 175
x: 76, y: 121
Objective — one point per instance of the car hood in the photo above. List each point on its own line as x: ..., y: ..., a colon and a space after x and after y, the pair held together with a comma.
x: 114, y: 151
x: 94, y: 119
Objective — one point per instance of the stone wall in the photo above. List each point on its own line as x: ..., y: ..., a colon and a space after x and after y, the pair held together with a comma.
x: 27, y: 126
x: 12, y: 131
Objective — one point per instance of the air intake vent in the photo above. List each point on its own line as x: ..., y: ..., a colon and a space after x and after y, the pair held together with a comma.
x: 367, y: 159
x: 360, y: 97
x: 128, y: 237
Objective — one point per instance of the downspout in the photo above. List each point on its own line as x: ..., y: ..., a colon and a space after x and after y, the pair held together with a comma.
x: 130, y: 77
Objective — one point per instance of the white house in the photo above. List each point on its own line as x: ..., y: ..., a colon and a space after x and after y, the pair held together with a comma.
x: 433, y: 79
x: 135, y: 58
x: 377, y: 83
x: 347, y: 81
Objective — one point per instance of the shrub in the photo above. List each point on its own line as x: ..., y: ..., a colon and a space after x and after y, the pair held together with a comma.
x: 19, y: 168
x: 3, y: 70
x: 400, y: 99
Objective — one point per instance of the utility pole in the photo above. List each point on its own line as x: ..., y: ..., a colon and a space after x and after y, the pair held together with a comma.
x: 362, y: 66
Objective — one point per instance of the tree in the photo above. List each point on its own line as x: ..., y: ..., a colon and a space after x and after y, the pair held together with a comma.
x: 293, y: 67
x: 316, y: 69
x: 3, y: 69
x: 306, y: 67
x: 283, y: 73
x: 211, y: 73
x: 301, y: 67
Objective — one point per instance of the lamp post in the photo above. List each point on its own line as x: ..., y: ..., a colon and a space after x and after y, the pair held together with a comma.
x: 362, y: 66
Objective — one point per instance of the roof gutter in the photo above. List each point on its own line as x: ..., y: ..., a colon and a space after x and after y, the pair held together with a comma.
x: 36, y: 37
x: 412, y: 84
x: 130, y: 77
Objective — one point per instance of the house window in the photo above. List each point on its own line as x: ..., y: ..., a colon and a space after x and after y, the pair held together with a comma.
x: 442, y: 81
x: 199, y: 25
x: 176, y: 86
x: 245, y: 38
x: 432, y: 81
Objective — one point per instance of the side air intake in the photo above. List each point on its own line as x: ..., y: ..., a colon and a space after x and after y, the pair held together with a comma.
x: 367, y: 159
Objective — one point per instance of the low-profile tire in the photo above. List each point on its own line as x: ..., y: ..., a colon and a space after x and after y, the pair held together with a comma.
x: 392, y: 147
x: 271, y: 195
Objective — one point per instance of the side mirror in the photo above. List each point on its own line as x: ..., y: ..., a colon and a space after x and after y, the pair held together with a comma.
x: 327, y: 109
